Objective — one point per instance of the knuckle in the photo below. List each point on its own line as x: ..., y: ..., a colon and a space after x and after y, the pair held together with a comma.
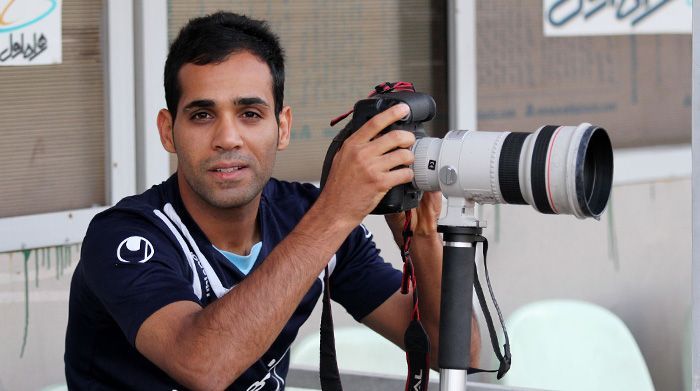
x: 375, y: 177
x: 407, y: 175
x: 409, y: 137
x: 402, y: 156
x: 364, y: 169
x: 408, y: 155
x: 355, y: 152
x: 375, y: 122
x: 403, y: 137
x: 398, y: 136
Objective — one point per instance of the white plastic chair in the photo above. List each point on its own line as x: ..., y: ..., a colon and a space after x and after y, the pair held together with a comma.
x: 358, y: 349
x: 573, y: 345
x: 55, y: 387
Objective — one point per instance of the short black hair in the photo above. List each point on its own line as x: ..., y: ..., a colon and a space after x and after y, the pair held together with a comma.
x: 212, y: 39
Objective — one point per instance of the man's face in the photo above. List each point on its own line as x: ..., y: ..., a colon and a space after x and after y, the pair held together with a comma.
x: 225, y: 134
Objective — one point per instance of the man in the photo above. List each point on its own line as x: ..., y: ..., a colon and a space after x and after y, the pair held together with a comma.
x: 203, y: 281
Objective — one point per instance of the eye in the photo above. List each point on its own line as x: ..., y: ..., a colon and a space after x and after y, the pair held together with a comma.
x: 201, y: 116
x: 251, y: 114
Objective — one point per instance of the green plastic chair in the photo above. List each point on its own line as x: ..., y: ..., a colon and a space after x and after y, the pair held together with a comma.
x: 573, y: 345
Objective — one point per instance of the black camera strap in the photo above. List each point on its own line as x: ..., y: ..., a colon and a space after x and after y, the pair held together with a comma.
x: 328, y: 364
x: 416, y: 340
x: 504, y: 359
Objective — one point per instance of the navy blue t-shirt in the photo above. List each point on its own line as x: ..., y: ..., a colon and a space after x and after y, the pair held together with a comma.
x: 146, y: 252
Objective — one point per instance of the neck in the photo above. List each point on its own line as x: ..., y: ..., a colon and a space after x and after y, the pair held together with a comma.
x: 231, y: 229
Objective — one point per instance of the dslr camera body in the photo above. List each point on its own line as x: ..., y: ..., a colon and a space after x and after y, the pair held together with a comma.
x: 406, y: 196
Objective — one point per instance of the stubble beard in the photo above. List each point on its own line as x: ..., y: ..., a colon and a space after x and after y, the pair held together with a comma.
x: 227, y: 195
x: 234, y: 195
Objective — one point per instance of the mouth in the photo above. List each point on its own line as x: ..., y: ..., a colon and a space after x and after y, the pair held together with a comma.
x: 228, y: 171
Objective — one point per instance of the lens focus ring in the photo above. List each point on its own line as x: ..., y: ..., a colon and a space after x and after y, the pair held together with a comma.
x: 425, y: 166
x: 509, y: 168
x: 539, y: 169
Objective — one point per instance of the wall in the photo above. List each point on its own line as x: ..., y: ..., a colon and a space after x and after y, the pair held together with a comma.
x: 34, y: 308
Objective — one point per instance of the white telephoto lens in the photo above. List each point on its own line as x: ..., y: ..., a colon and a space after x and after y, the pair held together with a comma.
x: 557, y: 169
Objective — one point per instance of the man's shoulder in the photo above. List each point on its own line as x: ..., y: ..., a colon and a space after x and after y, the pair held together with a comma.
x: 135, y: 214
x: 144, y: 203
x: 283, y: 191
x: 287, y: 202
x: 139, y: 229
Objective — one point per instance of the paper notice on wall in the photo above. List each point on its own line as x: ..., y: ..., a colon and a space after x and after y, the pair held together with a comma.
x: 616, y: 17
x: 30, y: 32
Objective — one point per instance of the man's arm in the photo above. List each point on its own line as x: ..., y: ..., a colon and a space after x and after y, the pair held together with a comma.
x: 209, y: 348
x: 393, y: 316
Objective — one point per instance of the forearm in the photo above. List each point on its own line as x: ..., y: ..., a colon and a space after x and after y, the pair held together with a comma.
x: 228, y: 336
x: 426, y: 253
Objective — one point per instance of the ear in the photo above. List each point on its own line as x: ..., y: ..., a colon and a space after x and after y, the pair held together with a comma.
x: 165, y: 128
x: 285, y: 128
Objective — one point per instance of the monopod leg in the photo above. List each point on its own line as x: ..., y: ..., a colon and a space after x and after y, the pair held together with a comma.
x: 459, y: 248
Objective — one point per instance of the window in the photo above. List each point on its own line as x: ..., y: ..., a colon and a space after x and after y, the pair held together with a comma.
x: 635, y: 86
x: 335, y: 60
x: 52, y: 155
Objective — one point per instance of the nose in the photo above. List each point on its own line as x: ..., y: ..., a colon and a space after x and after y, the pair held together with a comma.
x: 227, y: 134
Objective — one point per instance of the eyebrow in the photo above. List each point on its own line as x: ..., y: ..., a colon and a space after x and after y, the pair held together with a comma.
x: 208, y: 103
x: 199, y: 104
x: 250, y: 101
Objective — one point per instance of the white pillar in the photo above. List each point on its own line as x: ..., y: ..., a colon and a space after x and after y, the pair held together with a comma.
x: 461, y: 52
x: 696, y: 198
x: 120, y: 171
x: 150, y: 51
x: 462, y: 88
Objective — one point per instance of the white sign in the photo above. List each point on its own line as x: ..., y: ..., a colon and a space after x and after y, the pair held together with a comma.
x: 616, y: 17
x: 30, y: 32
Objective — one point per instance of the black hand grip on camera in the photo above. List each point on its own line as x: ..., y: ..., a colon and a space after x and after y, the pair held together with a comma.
x: 422, y: 109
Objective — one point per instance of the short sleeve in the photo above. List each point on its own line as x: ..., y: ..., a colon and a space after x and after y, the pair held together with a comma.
x: 362, y: 280
x: 134, y: 268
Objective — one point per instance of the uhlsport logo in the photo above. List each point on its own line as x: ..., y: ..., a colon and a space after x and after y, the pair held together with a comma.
x: 135, y: 249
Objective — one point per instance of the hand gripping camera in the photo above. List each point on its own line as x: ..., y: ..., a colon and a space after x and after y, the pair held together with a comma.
x: 402, y: 197
x: 556, y: 169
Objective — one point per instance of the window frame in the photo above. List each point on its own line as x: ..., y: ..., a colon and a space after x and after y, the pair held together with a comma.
x: 695, y: 261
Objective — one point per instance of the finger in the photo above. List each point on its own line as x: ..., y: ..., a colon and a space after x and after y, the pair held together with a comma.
x: 390, y: 141
x: 398, y: 177
x: 396, y: 158
x: 380, y: 121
